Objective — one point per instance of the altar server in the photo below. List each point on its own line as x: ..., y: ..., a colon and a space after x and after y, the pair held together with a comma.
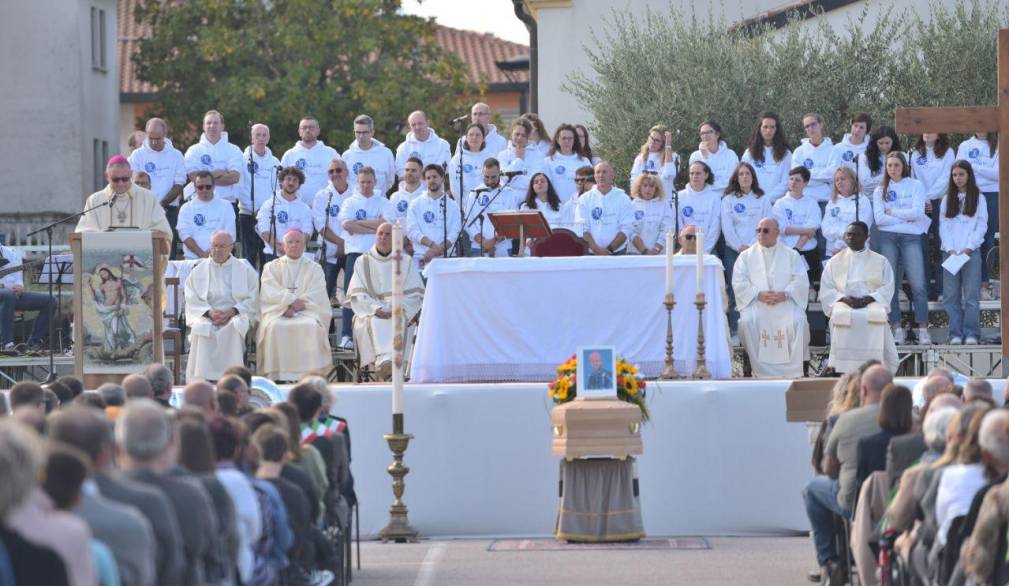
x: 312, y: 157
x: 370, y: 295
x: 855, y: 289
x: 605, y: 214
x: 771, y: 288
x: 221, y: 304
x: 283, y: 211
x: 422, y: 143
x: 203, y: 215
x: 215, y: 154
x: 700, y: 204
x: 963, y: 221
x: 125, y: 204
x: 770, y: 156
x: 365, y: 151
x: 292, y: 338
x: 716, y: 154
x: 432, y: 221
x: 325, y: 216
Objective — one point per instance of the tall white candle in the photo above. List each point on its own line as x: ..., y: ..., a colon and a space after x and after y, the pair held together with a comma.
x: 699, y: 240
x: 397, y: 320
x: 669, y: 262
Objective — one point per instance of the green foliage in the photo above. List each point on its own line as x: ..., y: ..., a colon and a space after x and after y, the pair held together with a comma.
x: 276, y: 61
x: 680, y: 69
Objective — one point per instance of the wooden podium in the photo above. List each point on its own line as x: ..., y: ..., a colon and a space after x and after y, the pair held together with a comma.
x: 118, y: 303
x: 521, y: 225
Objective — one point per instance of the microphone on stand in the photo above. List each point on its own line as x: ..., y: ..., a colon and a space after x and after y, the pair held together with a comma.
x: 510, y: 174
x: 459, y: 120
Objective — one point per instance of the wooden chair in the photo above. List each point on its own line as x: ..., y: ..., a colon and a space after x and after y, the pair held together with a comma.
x: 561, y: 243
x: 174, y: 326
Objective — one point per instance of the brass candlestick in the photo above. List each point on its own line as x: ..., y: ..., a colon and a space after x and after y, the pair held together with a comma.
x: 702, y: 364
x: 398, y: 529
x: 669, y: 372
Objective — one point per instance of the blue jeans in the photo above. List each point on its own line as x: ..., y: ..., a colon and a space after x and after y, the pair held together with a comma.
x: 332, y: 270
x: 965, y: 317
x: 820, y: 496
x: 27, y: 301
x: 991, y: 202
x: 252, y: 244
x: 172, y: 215
x: 904, y: 251
x: 347, y: 318
x: 731, y: 254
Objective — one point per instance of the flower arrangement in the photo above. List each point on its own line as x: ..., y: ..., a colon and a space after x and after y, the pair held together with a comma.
x: 630, y: 384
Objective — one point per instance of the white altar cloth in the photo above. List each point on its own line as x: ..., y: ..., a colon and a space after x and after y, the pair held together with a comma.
x: 719, y: 459
x: 516, y: 319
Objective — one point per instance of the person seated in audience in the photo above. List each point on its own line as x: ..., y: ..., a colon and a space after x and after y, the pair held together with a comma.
x: 905, y: 450
x: 978, y: 390
x: 294, y: 314
x: 605, y: 215
x: 699, y: 204
x: 162, y: 382
x: 234, y: 384
x: 489, y: 197
x: 834, y: 493
x: 799, y: 217
x: 844, y: 397
x: 73, y: 383
x: 14, y: 297
x: 221, y: 296
x: 137, y: 387
x: 203, y: 216
x: 113, y: 394
x: 199, y: 394
x: 855, y: 286
x: 771, y: 289
x: 981, y: 551
x: 432, y: 221
x: 27, y: 394
x: 963, y: 222
x: 895, y: 420
x: 652, y: 216
x: 370, y: 294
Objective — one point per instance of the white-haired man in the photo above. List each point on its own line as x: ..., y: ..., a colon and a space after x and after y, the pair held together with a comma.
x: 259, y: 171
x: 980, y: 553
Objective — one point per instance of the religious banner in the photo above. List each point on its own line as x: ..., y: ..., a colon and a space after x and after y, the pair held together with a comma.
x: 117, y: 302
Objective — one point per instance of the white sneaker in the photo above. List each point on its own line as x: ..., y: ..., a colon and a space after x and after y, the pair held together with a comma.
x: 321, y: 578
x: 955, y: 341
x: 971, y: 340
x: 899, y: 336
x: 923, y: 338
x: 347, y: 343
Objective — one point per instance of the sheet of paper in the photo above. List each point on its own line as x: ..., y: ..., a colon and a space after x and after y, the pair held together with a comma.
x: 955, y: 262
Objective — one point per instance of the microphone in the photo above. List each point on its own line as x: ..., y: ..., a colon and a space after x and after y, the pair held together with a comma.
x: 510, y: 174
x: 481, y: 189
x: 459, y: 120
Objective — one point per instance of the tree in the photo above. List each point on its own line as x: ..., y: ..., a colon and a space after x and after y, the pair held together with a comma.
x: 274, y: 61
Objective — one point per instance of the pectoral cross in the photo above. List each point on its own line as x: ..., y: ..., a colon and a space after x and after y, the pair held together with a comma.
x: 970, y: 120
x: 764, y: 338
x: 779, y: 338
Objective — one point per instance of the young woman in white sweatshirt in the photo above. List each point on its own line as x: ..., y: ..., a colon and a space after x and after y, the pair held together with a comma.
x: 521, y: 156
x: 563, y: 160
x: 899, y: 210
x: 870, y: 165
x: 931, y: 161
x: 652, y: 216
x: 658, y: 158
x: 717, y: 155
x: 467, y: 162
x: 963, y: 221
x: 981, y: 151
x: 743, y: 206
x: 770, y: 156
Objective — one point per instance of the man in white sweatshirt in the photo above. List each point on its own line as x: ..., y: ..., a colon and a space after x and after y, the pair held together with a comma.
x: 815, y: 155
x: 365, y: 151
x: 605, y: 214
x: 853, y: 144
x: 422, y: 143
x: 282, y: 212
x: 166, y: 167
x: 203, y: 215
x: 410, y: 188
x: 259, y: 182
x: 481, y: 114
x: 312, y: 156
x: 215, y: 154
x: 326, y: 210
x: 488, y: 197
x: 432, y: 222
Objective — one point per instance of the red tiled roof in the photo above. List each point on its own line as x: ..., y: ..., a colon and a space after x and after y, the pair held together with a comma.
x: 479, y: 51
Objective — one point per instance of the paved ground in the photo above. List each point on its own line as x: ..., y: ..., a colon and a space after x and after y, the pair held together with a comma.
x: 758, y: 561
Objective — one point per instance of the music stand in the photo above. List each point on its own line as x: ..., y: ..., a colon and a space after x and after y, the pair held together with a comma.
x: 521, y: 225
x: 59, y: 270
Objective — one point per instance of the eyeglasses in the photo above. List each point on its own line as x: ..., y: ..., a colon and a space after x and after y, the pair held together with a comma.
x: 204, y: 187
x: 811, y: 125
x: 119, y: 179
x: 584, y: 179
x: 336, y: 171
x: 707, y: 132
x: 688, y: 236
x: 764, y: 230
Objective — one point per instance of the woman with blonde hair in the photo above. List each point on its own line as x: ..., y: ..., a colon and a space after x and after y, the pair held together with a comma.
x: 652, y: 216
x: 845, y: 206
x: 658, y: 158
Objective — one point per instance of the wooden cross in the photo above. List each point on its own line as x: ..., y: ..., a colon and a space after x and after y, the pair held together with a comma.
x: 764, y: 338
x: 779, y: 338
x: 970, y: 120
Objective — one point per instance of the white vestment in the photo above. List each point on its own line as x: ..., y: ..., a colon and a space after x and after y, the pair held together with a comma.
x: 371, y: 289
x: 213, y: 349
x: 137, y: 208
x: 776, y: 337
x: 289, y: 347
x: 857, y: 335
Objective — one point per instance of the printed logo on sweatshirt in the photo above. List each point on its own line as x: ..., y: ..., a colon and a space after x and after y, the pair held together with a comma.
x: 402, y: 205
x: 974, y: 153
x: 834, y: 212
x: 758, y: 164
x: 788, y: 214
x: 739, y: 208
x: 282, y: 216
x: 199, y: 220
x: 414, y: 154
x: 301, y: 164
x: 255, y: 167
x: 639, y: 215
x: 484, y: 199
x: 467, y: 168
x: 334, y: 210
x: 650, y: 164
x: 688, y: 211
x: 360, y: 214
x: 597, y: 213
x: 150, y: 167
x: 429, y: 216
x: 808, y: 163
x: 922, y: 160
x: 891, y: 195
x: 848, y: 156
x: 560, y: 169
x: 205, y: 159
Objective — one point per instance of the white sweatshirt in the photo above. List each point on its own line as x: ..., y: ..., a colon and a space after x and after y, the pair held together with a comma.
x: 803, y: 212
x: 985, y: 163
x: 199, y: 220
x: 290, y: 214
x: 836, y: 218
x: 655, y: 166
x: 326, y: 208
x: 426, y: 218
x: 563, y: 217
x: 722, y: 163
x: 502, y: 202
x: 357, y: 208
x: 433, y: 151
x: 266, y: 180
x: 867, y: 180
x: 905, y: 199
x: 845, y: 153
x: 471, y: 170
x: 704, y: 210
x: 605, y: 216
x: 963, y: 231
x: 314, y: 163
x: 740, y: 216
x: 932, y: 171
x: 401, y: 200
x: 495, y: 142
x: 561, y: 170
x: 166, y: 167
x: 530, y: 164
x: 652, y: 218
x: 379, y: 158
x: 223, y: 156
x: 817, y: 160
x: 771, y: 175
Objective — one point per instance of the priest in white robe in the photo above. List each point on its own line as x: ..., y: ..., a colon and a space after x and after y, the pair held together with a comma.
x: 295, y: 313
x: 772, y: 290
x: 123, y: 204
x: 370, y: 293
x: 222, y: 295
x: 855, y: 290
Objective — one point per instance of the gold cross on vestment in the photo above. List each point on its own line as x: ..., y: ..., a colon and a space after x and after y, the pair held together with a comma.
x: 779, y: 338
x: 764, y: 338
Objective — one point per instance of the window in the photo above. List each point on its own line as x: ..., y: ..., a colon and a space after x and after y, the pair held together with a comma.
x: 99, y: 54
x: 100, y: 154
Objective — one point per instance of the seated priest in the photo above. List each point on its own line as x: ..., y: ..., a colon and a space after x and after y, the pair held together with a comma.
x: 772, y: 289
x: 855, y: 290
x: 294, y: 315
x: 222, y: 295
x: 370, y: 294
x: 122, y: 204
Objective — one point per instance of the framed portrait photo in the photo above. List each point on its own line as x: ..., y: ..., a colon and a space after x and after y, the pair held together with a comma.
x: 597, y: 372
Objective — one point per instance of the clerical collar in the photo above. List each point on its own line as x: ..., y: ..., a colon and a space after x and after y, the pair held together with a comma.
x: 864, y: 248
x: 383, y: 254
x: 220, y: 264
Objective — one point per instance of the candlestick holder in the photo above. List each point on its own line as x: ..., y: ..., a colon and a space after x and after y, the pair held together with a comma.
x: 669, y: 372
x: 701, y: 371
x: 398, y: 529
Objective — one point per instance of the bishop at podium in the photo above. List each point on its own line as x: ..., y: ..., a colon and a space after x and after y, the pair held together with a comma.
x: 123, y: 204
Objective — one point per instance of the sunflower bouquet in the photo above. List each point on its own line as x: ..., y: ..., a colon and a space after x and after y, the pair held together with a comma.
x: 630, y: 384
